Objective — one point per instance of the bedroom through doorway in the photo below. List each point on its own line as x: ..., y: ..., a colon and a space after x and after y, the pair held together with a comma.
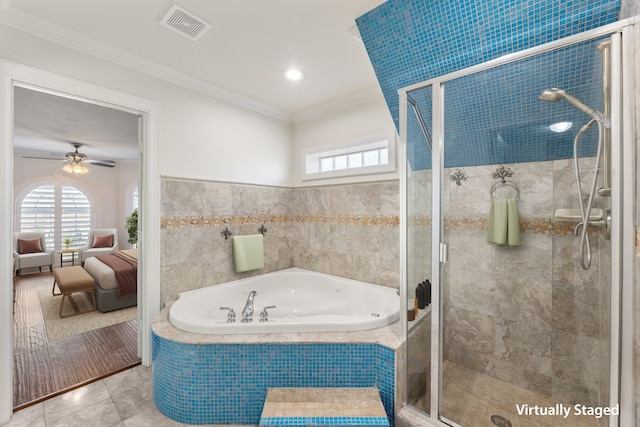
x: 76, y: 177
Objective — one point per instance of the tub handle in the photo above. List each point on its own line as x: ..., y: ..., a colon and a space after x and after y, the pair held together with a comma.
x: 231, y: 316
x: 264, y: 316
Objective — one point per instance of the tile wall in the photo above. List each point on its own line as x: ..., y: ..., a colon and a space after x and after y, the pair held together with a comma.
x: 528, y: 315
x: 410, y: 41
x: 227, y: 383
x: 345, y: 230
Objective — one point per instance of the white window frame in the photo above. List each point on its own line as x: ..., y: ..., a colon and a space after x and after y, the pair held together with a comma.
x: 311, y: 158
x: 57, y: 223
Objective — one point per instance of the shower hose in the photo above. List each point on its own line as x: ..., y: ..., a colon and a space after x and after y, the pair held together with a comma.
x: 585, y: 244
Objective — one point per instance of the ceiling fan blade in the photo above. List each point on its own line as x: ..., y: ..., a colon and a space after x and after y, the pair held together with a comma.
x: 42, y: 158
x: 102, y: 163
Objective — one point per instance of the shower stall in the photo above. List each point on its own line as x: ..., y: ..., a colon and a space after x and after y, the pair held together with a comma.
x: 516, y: 331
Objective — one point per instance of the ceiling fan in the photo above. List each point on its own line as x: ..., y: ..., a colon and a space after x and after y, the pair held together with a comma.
x: 74, y: 161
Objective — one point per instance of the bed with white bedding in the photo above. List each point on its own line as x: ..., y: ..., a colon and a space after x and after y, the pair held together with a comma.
x: 108, y: 296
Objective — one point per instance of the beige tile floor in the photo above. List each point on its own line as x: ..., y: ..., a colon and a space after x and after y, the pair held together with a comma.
x: 123, y: 399
x: 470, y: 398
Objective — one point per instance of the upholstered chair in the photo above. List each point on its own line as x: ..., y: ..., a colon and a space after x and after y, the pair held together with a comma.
x: 100, y: 241
x: 29, y: 251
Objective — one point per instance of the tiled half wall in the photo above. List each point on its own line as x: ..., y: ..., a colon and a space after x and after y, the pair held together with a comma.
x: 227, y: 383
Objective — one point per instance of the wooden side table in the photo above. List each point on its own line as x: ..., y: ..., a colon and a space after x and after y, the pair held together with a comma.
x: 63, y: 252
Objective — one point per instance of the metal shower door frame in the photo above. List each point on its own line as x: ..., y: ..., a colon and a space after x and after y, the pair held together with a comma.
x: 622, y: 388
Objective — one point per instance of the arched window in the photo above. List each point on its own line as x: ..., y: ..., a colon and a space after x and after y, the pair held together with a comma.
x: 135, y: 198
x: 61, y: 211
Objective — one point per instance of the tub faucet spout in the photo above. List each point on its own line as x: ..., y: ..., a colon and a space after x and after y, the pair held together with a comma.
x: 247, y: 311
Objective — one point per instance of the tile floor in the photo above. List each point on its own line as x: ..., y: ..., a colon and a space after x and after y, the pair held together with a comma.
x: 123, y: 399
x: 470, y: 398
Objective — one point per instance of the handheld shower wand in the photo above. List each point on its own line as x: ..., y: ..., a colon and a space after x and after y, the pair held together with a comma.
x: 555, y: 95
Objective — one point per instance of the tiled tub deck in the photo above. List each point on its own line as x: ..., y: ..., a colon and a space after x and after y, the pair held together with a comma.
x: 223, y: 379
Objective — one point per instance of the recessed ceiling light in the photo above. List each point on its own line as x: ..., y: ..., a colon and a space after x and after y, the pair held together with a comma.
x: 294, y: 74
x: 560, y: 127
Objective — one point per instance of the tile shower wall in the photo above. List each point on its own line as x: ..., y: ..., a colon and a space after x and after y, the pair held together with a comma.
x: 346, y: 230
x: 409, y: 41
x: 527, y: 315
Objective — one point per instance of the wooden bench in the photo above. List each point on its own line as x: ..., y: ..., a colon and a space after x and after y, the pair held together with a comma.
x: 71, y: 280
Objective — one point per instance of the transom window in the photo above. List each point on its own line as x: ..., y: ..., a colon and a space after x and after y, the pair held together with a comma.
x: 374, y: 155
x: 61, y: 211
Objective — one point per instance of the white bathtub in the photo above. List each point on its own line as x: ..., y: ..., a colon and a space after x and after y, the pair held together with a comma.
x: 305, y: 301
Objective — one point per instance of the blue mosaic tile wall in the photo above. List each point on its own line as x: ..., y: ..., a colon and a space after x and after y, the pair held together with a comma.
x: 227, y: 383
x: 409, y: 41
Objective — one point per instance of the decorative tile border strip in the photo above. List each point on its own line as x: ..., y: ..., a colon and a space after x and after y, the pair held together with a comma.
x: 527, y: 225
x: 218, y: 220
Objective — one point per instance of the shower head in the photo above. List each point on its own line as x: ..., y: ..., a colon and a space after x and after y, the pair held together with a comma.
x: 555, y: 95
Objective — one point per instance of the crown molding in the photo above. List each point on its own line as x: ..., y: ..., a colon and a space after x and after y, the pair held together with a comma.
x: 374, y: 92
x: 57, y: 34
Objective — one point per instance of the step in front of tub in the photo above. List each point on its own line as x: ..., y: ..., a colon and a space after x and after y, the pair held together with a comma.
x: 326, y: 407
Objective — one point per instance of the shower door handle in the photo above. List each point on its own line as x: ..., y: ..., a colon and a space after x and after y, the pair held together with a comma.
x: 444, y: 253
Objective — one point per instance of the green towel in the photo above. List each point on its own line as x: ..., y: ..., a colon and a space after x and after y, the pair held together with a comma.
x: 504, y: 223
x: 248, y: 252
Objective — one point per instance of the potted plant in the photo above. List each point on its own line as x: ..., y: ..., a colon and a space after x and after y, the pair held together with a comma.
x: 131, y: 225
x: 67, y: 243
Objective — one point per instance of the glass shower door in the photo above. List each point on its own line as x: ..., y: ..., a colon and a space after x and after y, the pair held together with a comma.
x: 418, y: 241
x: 525, y: 328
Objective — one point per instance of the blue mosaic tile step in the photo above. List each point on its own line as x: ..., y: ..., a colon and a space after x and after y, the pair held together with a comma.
x: 324, y: 421
x: 333, y: 406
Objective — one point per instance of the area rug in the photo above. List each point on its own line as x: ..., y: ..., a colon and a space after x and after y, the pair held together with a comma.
x: 58, y: 328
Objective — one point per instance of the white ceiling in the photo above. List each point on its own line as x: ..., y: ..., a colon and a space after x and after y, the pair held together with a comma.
x: 251, y: 44
x: 242, y: 58
x: 50, y: 124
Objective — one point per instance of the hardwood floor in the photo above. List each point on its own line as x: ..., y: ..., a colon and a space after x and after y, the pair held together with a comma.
x: 44, y: 369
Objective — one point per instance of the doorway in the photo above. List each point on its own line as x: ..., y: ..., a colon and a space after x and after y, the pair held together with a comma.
x: 51, y: 354
x: 13, y: 75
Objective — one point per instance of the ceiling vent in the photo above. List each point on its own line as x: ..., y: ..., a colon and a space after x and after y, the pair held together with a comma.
x: 184, y: 22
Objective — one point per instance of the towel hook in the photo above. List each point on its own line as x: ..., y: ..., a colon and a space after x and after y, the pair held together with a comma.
x: 263, y: 230
x: 459, y: 176
x: 502, y: 173
x: 226, y: 233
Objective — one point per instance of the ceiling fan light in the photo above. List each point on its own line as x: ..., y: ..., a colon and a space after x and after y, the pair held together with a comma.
x: 79, y: 168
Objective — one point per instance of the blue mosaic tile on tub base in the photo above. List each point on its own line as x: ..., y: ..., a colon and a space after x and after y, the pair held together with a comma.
x: 227, y: 383
x: 323, y: 421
